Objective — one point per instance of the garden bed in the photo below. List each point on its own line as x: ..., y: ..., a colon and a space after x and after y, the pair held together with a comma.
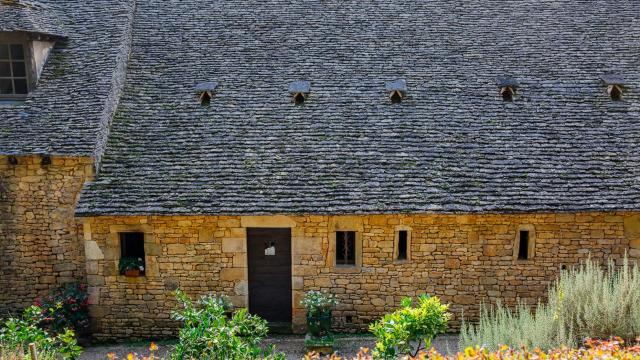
x: 347, y: 345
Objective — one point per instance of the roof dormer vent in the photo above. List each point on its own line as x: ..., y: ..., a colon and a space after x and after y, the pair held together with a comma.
x: 508, y: 87
x: 299, y: 91
x: 615, y: 86
x: 397, y: 90
x: 205, y: 92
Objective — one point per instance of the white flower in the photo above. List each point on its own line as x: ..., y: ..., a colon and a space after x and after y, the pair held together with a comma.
x: 141, y: 268
x: 139, y: 259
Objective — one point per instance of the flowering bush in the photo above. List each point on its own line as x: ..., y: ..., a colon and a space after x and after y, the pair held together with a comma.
x: 66, y: 307
x: 317, y: 302
x: 405, y: 331
x: 134, y: 356
x: 593, y: 350
x: 17, y: 333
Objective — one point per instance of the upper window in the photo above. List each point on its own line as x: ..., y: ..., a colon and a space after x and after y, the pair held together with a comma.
x: 346, y: 248
x: 13, y: 71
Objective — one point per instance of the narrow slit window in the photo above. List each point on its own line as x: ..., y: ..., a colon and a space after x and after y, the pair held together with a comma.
x: 523, y: 250
x: 132, y: 251
x: 403, y: 239
x: 346, y: 248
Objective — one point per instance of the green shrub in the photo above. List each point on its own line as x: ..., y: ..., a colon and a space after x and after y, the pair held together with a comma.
x: 66, y: 307
x: 207, y: 333
x: 586, y: 302
x: 17, y: 333
x: 410, y: 329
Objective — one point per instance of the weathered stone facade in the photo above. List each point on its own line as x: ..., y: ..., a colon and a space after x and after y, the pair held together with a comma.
x: 40, y: 241
x: 464, y: 259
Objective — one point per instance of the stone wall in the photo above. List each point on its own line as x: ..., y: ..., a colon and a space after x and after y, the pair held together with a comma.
x: 464, y: 259
x: 40, y: 244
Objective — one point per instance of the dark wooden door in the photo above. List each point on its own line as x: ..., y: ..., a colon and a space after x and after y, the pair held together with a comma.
x: 269, y: 261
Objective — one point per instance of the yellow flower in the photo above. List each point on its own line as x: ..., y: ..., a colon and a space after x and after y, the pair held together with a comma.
x: 111, y: 356
x: 130, y: 357
x: 153, y: 347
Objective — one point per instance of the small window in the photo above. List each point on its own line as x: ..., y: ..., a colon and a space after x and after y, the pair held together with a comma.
x: 298, y: 99
x: 13, y: 71
x: 132, y: 252
x: 397, y: 90
x: 299, y: 91
x: 205, y: 92
x: 346, y: 248
x: 507, y: 93
x: 403, y: 244
x: 523, y: 250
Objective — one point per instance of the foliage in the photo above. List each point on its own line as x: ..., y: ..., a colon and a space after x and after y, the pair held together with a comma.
x: 404, y: 331
x: 612, y: 350
x: 130, y: 263
x: 17, y: 333
x: 317, y: 302
x: 588, y: 301
x: 66, y: 307
x: 207, y: 333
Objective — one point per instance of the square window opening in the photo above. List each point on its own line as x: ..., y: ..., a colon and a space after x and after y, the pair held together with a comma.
x: 523, y: 250
x: 346, y: 248
x: 132, y: 256
x: 13, y: 71
x: 403, y: 236
x: 348, y: 319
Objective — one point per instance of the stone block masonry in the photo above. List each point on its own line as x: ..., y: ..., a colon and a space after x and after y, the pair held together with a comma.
x: 40, y: 241
x: 464, y: 259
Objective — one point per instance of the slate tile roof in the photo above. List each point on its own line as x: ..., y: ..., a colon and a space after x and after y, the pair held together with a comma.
x: 452, y: 145
x: 30, y: 17
x: 71, y: 108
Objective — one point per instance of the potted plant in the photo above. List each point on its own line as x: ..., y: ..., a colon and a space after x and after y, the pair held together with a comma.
x: 319, y: 306
x: 131, y: 266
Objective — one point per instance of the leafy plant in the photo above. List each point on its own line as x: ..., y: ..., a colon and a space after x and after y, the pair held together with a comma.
x: 588, y: 301
x: 207, y: 333
x: 66, y: 307
x: 130, y: 263
x: 318, y: 302
x: 17, y: 333
x: 410, y: 330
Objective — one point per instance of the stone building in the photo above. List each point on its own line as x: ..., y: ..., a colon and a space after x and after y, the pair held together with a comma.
x: 373, y: 150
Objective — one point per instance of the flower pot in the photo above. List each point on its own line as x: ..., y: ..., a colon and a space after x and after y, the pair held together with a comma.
x: 319, y: 323
x: 132, y: 273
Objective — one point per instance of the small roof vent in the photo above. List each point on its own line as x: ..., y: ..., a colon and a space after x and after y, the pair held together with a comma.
x: 205, y: 92
x: 508, y: 86
x: 397, y: 90
x: 615, y: 86
x: 299, y: 91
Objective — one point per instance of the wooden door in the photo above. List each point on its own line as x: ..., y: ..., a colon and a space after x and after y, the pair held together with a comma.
x: 269, y: 262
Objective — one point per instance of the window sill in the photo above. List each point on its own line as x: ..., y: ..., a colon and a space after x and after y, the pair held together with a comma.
x: 131, y: 279
x: 347, y: 269
x: 402, y: 262
x: 11, y: 102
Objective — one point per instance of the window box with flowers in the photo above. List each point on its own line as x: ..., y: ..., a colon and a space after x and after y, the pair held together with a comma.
x: 131, y: 267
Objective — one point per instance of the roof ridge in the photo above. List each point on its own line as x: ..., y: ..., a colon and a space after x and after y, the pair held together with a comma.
x: 117, y: 84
